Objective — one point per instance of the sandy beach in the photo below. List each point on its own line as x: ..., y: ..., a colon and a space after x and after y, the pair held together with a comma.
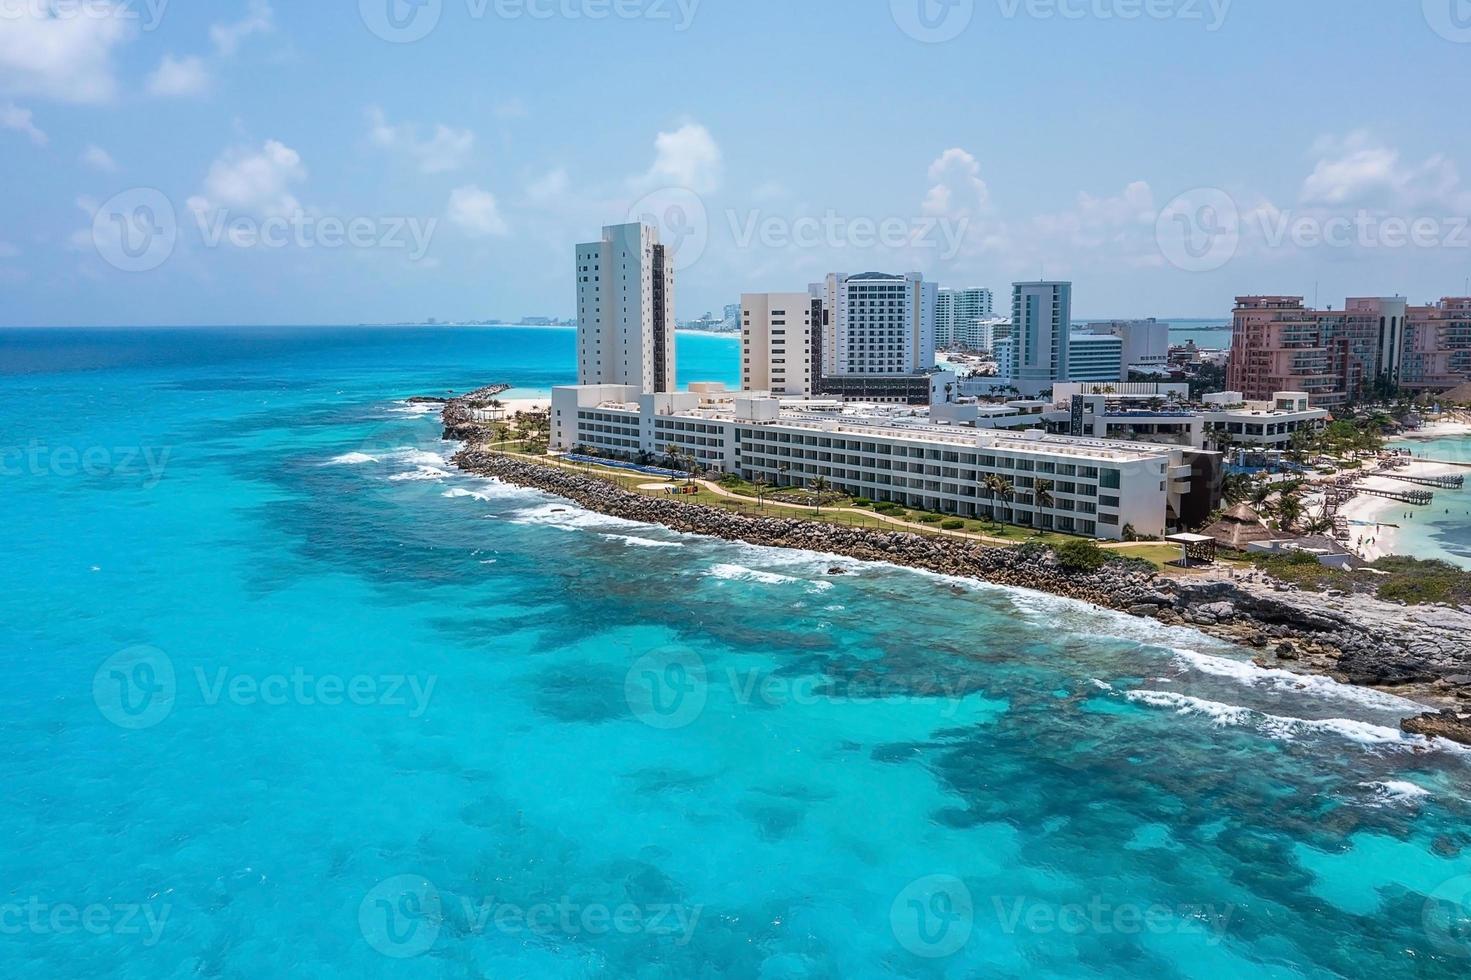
x: 1372, y: 520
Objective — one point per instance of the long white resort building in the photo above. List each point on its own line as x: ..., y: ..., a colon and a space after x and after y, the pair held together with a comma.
x: 1093, y: 487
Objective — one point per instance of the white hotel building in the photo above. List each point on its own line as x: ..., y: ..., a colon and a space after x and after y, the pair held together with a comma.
x: 956, y: 313
x: 1094, y: 487
x: 625, y: 310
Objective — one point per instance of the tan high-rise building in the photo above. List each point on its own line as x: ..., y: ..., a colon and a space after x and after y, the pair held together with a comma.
x: 625, y: 310
x: 781, y: 343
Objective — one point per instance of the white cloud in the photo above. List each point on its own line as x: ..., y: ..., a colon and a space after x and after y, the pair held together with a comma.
x: 477, y: 212
x: 253, y: 181
x: 68, y: 59
x: 98, y: 159
x: 259, y: 19
x: 14, y: 117
x: 179, y: 78
x: 956, y: 185
x: 1362, y: 171
x: 549, y: 189
x: 689, y: 158
x: 512, y: 108
x: 448, y: 149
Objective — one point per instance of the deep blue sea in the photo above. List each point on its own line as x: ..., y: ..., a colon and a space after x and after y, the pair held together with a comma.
x: 286, y: 697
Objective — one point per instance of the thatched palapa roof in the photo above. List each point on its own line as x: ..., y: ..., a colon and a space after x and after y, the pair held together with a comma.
x: 1239, y: 527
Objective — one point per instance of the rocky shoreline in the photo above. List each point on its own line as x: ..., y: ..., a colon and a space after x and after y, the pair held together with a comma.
x: 1420, y: 653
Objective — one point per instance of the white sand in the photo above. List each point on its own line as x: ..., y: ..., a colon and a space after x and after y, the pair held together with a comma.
x: 514, y: 405
x: 1370, y: 535
x: 1444, y: 429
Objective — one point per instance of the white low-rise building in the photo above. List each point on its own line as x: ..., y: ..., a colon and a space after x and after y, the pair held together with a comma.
x: 1091, y: 487
x: 1268, y: 425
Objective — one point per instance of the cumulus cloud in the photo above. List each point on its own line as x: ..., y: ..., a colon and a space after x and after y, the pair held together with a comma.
x: 688, y: 157
x: 956, y: 185
x: 446, y: 150
x: 259, y: 19
x: 476, y: 212
x: 549, y: 189
x: 1361, y: 170
x: 179, y: 78
x: 253, y: 181
x: 66, y: 59
x: 14, y: 117
x: 98, y: 159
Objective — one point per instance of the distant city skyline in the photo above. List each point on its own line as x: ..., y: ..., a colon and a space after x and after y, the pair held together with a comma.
x: 257, y: 162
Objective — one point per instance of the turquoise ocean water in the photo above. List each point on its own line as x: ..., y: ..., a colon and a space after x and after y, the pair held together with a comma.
x: 287, y: 697
x: 1442, y: 530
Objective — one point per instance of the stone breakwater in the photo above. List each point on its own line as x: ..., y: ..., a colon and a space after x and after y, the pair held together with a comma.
x: 1420, y: 653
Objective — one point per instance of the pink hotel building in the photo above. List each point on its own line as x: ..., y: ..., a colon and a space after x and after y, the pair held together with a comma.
x: 1338, y: 356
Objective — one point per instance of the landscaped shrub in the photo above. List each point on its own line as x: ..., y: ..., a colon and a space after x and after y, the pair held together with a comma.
x: 1081, y: 555
x: 953, y: 525
x: 930, y: 518
x: 862, y: 502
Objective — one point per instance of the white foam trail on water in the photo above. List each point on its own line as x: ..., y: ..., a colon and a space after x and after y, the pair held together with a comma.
x: 351, y: 459
x: 1396, y: 791
x: 459, y: 492
x: 417, y: 457
x: 634, y: 541
x: 1288, y: 729
x: 740, y: 573
x: 404, y: 408
x: 1288, y: 682
x: 568, y: 517
x: 421, y: 473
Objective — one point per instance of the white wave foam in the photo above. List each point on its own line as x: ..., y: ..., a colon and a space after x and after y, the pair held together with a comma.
x: 404, y: 408
x: 1289, y: 682
x: 351, y: 459
x: 421, y: 473
x: 740, y: 573
x: 1396, y: 791
x: 416, y: 457
x: 1101, y: 685
x: 568, y: 517
x: 458, y: 492
x: 634, y: 541
x: 1286, y: 729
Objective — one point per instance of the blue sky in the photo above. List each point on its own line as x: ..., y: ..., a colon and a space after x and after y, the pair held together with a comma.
x: 241, y: 161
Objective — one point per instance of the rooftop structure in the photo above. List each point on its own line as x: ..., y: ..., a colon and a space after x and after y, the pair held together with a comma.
x: 1095, y: 487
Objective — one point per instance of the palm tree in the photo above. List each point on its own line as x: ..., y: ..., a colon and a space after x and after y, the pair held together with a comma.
x: 819, y: 487
x: 999, y: 486
x: 1043, y: 492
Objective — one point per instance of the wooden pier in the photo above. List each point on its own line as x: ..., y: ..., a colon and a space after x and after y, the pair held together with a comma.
x: 1448, y: 482
x: 1418, y: 498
